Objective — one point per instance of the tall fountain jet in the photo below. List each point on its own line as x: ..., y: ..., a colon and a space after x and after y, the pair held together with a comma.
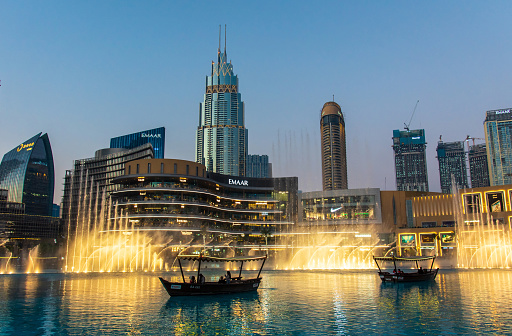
x: 221, y: 135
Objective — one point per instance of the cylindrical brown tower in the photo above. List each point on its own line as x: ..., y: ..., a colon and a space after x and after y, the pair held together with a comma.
x: 334, y: 148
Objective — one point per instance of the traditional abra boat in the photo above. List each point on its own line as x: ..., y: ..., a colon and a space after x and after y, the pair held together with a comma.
x: 233, y: 285
x: 398, y: 276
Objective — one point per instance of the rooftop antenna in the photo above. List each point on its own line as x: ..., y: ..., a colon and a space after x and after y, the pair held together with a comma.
x: 225, y: 37
x: 220, y: 27
x: 333, y: 98
x: 406, y: 126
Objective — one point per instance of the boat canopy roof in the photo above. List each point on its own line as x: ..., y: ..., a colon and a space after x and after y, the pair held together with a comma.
x: 413, y: 259
x: 203, y: 258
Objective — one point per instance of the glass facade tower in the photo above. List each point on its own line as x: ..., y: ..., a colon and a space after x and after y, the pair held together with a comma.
x: 221, y: 143
x: 258, y: 166
x: 478, y: 167
x: 334, y: 147
x: 155, y: 137
x: 410, y: 160
x: 452, y: 165
x: 27, y: 173
x: 498, y: 139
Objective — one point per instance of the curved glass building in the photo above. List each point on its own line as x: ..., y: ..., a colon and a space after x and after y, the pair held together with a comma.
x: 27, y: 173
x: 221, y: 135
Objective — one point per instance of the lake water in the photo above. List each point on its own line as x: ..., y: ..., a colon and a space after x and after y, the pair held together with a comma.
x: 287, y: 303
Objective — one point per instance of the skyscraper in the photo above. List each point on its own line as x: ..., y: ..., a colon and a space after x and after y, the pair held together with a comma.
x: 85, y: 184
x: 498, y: 139
x: 452, y: 163
x: 334, y: 148
x: 221, y: 143
x: 155, y: 137
x: 258, y: 166
x: 28, y: 175
x: 410, y: 160
x: 478, y: 168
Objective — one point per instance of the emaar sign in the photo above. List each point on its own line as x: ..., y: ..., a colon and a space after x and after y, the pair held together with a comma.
x: 144, y: 135
x: 239, y: 182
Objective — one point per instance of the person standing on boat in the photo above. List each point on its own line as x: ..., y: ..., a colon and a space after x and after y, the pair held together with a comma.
x: 228, y: 277
x: 201, y: 279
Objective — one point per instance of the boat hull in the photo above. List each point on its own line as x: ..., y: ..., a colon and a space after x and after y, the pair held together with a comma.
x: 408, y: 277
x: 209, y: 288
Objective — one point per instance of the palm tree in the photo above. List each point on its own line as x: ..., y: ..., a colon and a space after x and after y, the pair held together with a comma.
x: 266, y: 231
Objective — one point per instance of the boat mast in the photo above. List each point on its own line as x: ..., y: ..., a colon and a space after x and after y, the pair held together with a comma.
x: 181, y: 269
x: 377, y: 264
x: 199, y: 266
x: 241, y: 266
x: 261, y: 267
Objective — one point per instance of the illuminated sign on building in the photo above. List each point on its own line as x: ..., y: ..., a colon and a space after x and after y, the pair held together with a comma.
x: 144, y: 135
x: 502, y: 111
x: 495, y: 201
x: 239, y: 182
x: 27, y: 146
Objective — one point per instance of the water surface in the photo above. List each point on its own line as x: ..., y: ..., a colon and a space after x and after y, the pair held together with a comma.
x: 287, y: 303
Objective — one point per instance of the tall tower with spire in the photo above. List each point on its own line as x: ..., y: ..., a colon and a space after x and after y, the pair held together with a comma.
x: 221, y: 143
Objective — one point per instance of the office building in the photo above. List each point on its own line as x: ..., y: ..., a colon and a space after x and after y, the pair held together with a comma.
x: 86, y: 184
x: 221, y: 143
x: 498, y: 140
x: 478, y: 167
x: 334, y: 148
x: 410, y: 160
x: 258, y: 166
x: 27, y: 173
x: 155, y: 137
x: 22, y: 228
x: 452, y: 165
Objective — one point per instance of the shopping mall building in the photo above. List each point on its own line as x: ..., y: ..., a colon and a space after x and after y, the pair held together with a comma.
x: 182, y: 201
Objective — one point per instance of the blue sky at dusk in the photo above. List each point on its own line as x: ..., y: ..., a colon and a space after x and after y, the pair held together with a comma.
x: 87, y: 71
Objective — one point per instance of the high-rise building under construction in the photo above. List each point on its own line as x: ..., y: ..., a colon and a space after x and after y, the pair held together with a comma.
x: 410, y: 160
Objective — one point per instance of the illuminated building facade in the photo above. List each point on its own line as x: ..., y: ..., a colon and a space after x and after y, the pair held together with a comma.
x: 258, y: 166
x: 478, y: 166
x: 155, y: 137
x: 458, y: 225
x: 452, y: 165
x: 179, y: 197
x: 90, y: 178
x: 410, y: 160
x: 334, y: 148
x: 221, y: 143
x: 27, y: 173
x: 498, y: 140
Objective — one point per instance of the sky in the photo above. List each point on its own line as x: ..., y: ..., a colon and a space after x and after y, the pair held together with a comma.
x: 87, y: 71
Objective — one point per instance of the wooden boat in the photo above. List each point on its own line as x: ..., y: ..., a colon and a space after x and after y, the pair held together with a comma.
x: 234, y: 285
x: 398, y: 276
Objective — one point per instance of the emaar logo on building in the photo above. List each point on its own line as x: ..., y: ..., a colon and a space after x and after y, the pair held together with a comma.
x: 238, y: 182
x: 144, y: 135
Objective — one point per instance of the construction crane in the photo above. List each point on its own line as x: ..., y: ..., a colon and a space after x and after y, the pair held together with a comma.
x: 406, y: 126
x: 471, y: 138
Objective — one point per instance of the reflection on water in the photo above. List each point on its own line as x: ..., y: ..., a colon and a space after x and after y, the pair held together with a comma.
x: 288, y: 303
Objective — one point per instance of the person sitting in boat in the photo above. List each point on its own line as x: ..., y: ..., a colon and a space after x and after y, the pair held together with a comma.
x: 420, y: 270
x: 228, y: 277
x: 200, y: 278
x: 222, y: 280
x: 192, y: 279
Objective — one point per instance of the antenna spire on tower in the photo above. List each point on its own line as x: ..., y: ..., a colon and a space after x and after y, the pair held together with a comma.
x: 225, y: 37
x: 220, y: 29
